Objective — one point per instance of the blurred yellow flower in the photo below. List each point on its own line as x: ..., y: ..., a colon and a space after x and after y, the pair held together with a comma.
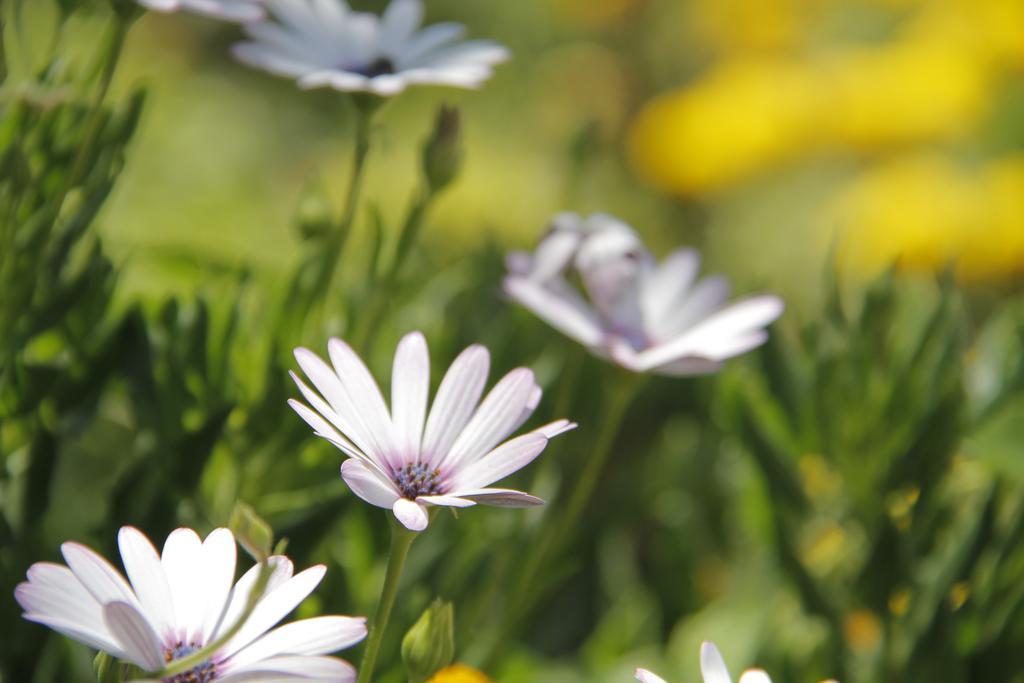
x: 743, y: 116
x: 904, y: 92
x: 459, y: 673
x: 924, y: 212
x: 730, y: 26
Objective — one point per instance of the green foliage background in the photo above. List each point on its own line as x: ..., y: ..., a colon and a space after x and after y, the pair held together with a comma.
x: 846, y: 502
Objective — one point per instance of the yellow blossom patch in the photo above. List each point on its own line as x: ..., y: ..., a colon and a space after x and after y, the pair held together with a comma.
x: 459, y: 673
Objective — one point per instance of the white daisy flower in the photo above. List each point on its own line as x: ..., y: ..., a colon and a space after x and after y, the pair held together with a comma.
x: 177, y: 602
x: 323, y: 43
x: 712, y: 669
x: 229, y: 10
x: 645, y: 316
x: 405, y: 459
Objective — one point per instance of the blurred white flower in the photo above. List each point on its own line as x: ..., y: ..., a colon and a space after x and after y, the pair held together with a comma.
x: 645, y: 316
x: 712, y: 669
x: 229, y: 10
x: 406, y: 459
x: 182, y: 600
x: 323, y: 43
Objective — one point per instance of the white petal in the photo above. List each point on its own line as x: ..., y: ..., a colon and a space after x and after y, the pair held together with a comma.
x: 325, y: 430
x: 316, y: 636
x: 664, y: 288
x: 410, y: 383
x: 646, y: 676
x: 136, y: 635
x: 399, y: 22
x: 281, y: 572
x: 261, y: 57
x: 97, y: 575
x: 504, y: 498
x: 712, y: 666
x: 53, y: 590
x: 430, y: 38
x: 275, y: 606
x: 498, y: 414
x: 366, y: 397
x: 218, y: 557
x: 726, y: 333
x: 334, y: 78
x: 348, y: 416
x: 54, y: 596
x: 160, y: 5
x: 446, y: 501
x: 473, y: 52
x: 501, y: 462
x: 553, y: 429
x: 455, y: 402
x: 706, y: 297
x: 181, y: 560
x: 142, y: 563
x: 554, y: 254
x: 368, y: 485
x: 754, y: 676
x: 293, y: 668
x: 567, y: 313
x: 96, y: 639
x: 413, y: 516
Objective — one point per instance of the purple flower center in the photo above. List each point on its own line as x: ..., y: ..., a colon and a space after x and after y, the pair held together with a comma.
x: 378, y: 67
x: 418, y: 480
x: 204, y: 673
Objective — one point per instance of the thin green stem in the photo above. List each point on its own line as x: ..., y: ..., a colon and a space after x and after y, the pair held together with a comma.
x: 364, y: 121
x: 401, y: 541
x: 383, y: 290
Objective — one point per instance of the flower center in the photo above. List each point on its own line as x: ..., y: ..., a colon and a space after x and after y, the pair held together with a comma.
x: 204, y: 673
x: 418, y: 480
x: 378, y: 67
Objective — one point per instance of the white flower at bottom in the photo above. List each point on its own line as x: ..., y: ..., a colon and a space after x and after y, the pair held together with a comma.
x: 323, y: 43
x: 405, y: 459
x: 643, y: 315
x: 181, y: 600
x: 229, y: 10
x: 712, y: 669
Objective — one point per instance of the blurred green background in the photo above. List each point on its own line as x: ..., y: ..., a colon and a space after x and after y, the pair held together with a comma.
x: 847, y: 502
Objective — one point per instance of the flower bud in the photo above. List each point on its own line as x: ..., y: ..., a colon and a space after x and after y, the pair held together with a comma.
x: 429, y: 646
x: 251, y: 532
x: 442, y: 153
x: 314, y: 215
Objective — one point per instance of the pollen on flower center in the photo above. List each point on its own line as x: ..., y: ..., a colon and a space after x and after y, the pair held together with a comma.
x: 204, y: 673
x: 418, y: 480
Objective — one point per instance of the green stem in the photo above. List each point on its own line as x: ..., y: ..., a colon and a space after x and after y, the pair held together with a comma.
x: 401, y: 541
x: 383, y: 290
x: 364, y: 121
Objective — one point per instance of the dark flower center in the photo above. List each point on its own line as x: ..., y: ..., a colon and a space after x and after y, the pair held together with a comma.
x: 418, y: 480
x: 204, y: 673
x: 378, y: 67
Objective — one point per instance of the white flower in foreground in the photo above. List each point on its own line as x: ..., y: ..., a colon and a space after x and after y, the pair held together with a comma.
x: 181, y: 600
x: 645, y: 316
x: 323, y: 43
x: 229, y: 10
x: 712, y: 669
x: 405, y: 459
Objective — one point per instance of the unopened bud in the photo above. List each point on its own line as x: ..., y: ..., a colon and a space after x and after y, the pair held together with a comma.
x: 251, y: 532
x: 314, y: 214
x: 442, y: 153
x: 429, y: 646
